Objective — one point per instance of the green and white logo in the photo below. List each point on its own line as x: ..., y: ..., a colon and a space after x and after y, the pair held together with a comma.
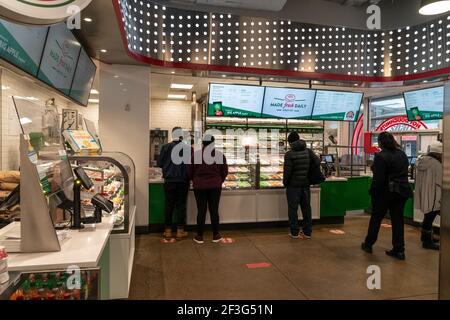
x: 47, y: 3
x: 41, y: 11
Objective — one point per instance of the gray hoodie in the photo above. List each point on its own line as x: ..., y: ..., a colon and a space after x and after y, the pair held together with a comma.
x: 427, y: 195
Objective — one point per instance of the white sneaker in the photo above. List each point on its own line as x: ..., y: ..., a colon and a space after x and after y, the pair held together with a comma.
x: 304, y: 236
x: 294, y: 237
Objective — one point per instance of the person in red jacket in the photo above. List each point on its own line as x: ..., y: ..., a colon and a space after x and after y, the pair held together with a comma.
x: 208, y: 171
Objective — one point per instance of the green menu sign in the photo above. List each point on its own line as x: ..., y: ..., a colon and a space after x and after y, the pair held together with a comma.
x: 22, y: 46
x: 60, y: 58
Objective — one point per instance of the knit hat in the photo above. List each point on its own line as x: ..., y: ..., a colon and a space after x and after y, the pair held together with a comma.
x: 436, y: 147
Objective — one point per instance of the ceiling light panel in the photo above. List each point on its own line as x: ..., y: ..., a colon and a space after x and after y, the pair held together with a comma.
x: 181, y: 86
x: 189, y: 37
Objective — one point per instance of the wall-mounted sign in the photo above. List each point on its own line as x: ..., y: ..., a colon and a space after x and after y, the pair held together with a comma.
x: 228, y: 100
x: 425, y: 104
x: 22, y: 45
x: 39, y: 11
x: 60, y: 58
x: 288, y: 103
x: 337, y: 105
x: 400, y: 123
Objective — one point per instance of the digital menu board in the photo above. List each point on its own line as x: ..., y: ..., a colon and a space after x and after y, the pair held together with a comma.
x: 60, y: 58
x: 425, y: 104
x: 288, y: 103
x: 22, y: 45
x: 337, y: 105
x: 228, y: 100
x: 84, y: 77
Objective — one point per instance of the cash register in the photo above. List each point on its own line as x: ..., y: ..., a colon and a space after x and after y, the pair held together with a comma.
x: 327, y: 164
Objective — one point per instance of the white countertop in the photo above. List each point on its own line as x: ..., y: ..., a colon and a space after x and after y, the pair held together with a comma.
x: 155, y: 181
x: 84, y: 249
x: 336, y: 179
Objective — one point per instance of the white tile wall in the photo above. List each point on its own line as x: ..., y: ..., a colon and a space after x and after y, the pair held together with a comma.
x: 24, y: 86
x: 167, y: 114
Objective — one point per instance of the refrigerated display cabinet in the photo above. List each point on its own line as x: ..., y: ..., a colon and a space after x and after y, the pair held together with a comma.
x: 113, y: 174
x: 53, y: 285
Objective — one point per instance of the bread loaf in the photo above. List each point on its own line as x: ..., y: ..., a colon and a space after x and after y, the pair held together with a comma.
x: 6, y: 186
x: 10, y: 176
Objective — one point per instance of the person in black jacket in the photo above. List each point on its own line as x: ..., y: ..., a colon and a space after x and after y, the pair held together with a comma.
x: 297, y: 164
x: 389, y: 190
x: 172, y: 160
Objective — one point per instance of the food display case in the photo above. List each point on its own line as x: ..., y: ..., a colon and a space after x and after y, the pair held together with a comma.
x: 113, y: 174
x: 83, y: 284
x: 256, y: 160
x: 255, y: 149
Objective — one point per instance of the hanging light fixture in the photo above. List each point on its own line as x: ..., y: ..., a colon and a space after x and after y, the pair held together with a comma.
x: 432, y: 7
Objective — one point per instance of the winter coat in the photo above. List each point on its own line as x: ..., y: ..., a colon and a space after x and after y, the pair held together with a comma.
x: 296, y: 165
x: 174, y: 171
x: 208, y: 176
x: 389, y: 166
x: 427, y: 196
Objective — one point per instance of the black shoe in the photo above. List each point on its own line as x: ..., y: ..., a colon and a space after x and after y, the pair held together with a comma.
x: 430, y: 246
x: 366, y: 248
x: 396, y: 254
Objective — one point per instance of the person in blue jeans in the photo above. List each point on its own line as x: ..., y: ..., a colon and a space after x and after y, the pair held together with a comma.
x: 297, y: 163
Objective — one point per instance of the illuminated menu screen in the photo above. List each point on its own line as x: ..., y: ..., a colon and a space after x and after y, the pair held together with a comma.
x: 426, y: 104
x: 84, y: 77
x: 60, y: 58
x: 337, y: 105
x: 22, y: 45
x: 226, y: 100
x: 288, y: 103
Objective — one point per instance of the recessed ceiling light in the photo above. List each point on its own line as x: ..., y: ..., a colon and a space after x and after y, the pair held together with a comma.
x: 87, y: 19
x: 94, y: 91
x: 94, y: 100
x: 116, y: 76
x: 181, y: 86
x: 173, y: 72
x: 103, y: 50
x: 176, y: 96
x: 224, y: 76
x: 433, y: 7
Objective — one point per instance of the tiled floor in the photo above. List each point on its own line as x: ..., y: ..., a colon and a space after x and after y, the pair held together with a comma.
x: 328, y: 267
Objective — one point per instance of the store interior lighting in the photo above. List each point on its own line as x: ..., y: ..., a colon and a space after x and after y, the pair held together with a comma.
x: 433, y: 7
x: 181, y: 86
x: 177, y: 96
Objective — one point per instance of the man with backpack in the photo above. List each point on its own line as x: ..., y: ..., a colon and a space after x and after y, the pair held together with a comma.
x: 301, y: 170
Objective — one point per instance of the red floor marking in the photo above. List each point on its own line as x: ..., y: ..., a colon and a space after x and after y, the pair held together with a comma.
x: 258, y: 265
x: 337, y: 232
x: 227, y: 240
x: 170, y: 241
x: 386, y: 225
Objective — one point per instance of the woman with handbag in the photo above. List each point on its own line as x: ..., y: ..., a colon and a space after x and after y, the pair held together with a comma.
x: 389, y: 190
x: 427, y: 196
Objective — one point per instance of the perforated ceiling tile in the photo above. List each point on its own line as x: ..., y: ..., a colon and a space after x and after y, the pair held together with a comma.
x: 171, y: 35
